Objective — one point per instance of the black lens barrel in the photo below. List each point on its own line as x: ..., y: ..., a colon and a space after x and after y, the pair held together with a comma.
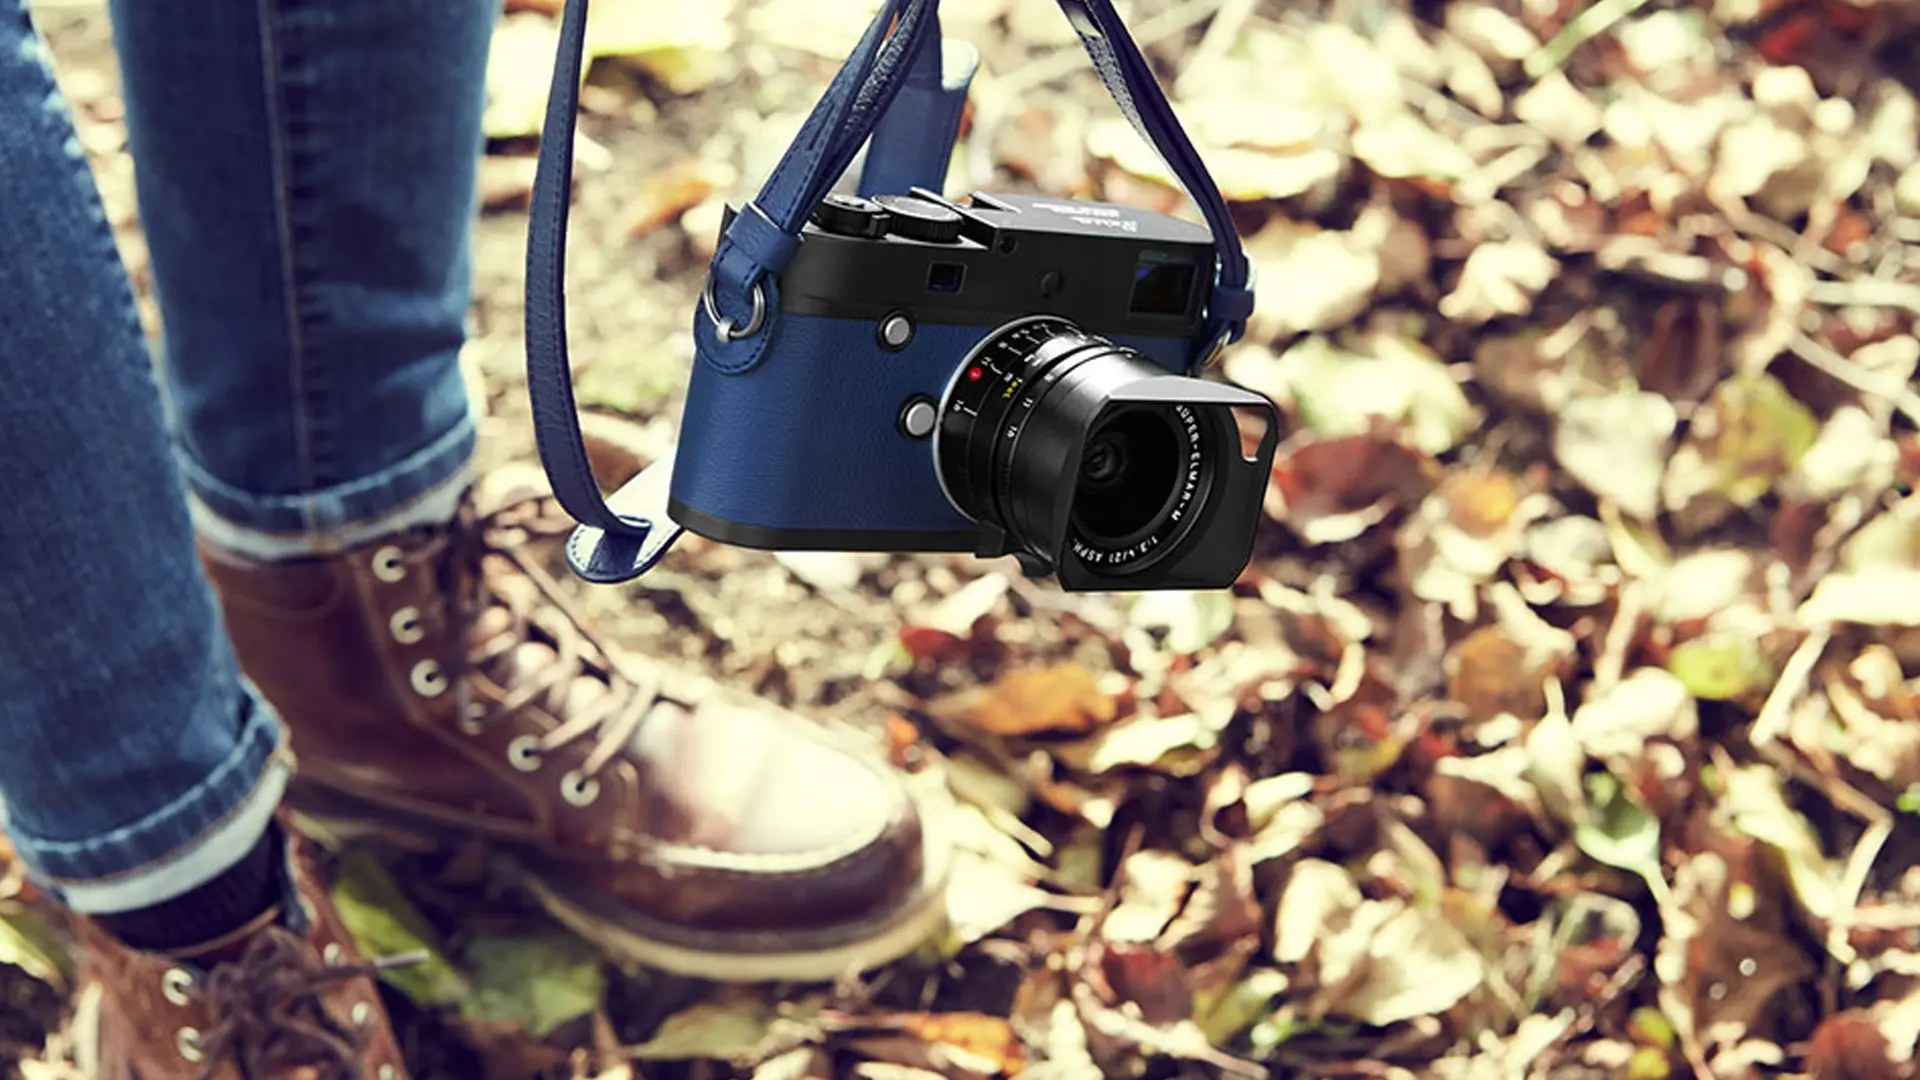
x: 1016, y: 421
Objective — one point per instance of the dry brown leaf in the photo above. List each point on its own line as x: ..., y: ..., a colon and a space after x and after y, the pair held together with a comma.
x: 1064, y: 698
x: 668, y: 193
x: 989, y: 1037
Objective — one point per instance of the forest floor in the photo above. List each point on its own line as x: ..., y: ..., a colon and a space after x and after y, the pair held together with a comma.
x: 1566, y: 722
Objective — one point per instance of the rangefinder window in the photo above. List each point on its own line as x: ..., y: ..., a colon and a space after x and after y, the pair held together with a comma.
x: 1162, y: 286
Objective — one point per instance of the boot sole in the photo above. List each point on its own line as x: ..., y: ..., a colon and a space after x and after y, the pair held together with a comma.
x: 333, y: 818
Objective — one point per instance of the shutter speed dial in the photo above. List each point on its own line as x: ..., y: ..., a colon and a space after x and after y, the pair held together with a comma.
x: 850, y: 215
x: 917, y: 219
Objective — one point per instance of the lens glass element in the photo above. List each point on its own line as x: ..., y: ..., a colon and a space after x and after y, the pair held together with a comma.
x: 1140, y: 472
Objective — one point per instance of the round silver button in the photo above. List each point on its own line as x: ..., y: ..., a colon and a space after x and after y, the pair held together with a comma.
x: 918, y: 418
x: 896, y: 330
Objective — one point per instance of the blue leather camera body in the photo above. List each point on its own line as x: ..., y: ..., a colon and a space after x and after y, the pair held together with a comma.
x: 825, y: 444
x: 893, y: 370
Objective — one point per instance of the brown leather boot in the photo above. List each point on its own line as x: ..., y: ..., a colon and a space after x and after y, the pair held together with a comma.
x: 284, y: 998
x: 438, y: 682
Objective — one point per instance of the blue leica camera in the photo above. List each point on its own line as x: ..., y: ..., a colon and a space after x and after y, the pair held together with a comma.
x: 1005, y: 376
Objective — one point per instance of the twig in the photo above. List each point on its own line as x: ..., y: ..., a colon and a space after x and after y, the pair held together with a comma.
x: 1847, y: 902
x: 1590, y: 23
x: 1828, y: 361
x: 1794, y: 677
x: 1221, y: 34
x: 1870, y: 293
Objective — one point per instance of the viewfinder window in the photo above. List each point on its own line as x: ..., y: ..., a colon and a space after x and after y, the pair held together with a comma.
x: 1162, y: 285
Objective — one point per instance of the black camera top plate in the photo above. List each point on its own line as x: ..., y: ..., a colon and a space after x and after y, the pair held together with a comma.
x: 1111, y: 269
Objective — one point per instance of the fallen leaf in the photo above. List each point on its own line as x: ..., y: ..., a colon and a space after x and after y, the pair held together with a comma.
x: 989, y: 1037
x: 1191, y: 620
x: 1316, y: 893
x: 1722, y: 666
x: 829, y: 571
x: 1152, y: 885
x: 1649, y: 703
x: 1031, y: 701
x: 1616, y: 446
x: 1748, y: 436
x: 538, y: 982
x: 1499, y: 279
x: 685, y: 49
x: 519, y: 75
x: 1178, y: 745
x: 744, y: 1029
x: 30, y: 943
x: 1333, y: 490
x: 384, y: 922
x: 1250, y: 1000
x: 1331, y: 277
x: 667, y: 193
x: 1849, y: 1046
x: 1619, y: 832
x: 1419, y: 965
x: 1340, y: 392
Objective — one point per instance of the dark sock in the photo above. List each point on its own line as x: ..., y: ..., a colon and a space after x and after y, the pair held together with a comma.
x: 216, y: 908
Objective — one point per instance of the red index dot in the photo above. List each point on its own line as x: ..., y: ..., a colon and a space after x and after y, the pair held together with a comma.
x: 973, y: 374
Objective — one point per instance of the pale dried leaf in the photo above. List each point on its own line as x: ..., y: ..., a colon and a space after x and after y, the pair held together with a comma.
x: 1421, y: 964
x: 1617, y: 447
x: 1499, y: 279
x: 1317, y: 893
x: 1649, y: 703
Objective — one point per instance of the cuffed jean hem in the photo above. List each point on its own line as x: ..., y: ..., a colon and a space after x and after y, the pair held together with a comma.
x: 182, y: 845
x: 336, y: 518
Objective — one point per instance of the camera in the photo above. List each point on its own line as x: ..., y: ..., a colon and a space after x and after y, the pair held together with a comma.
x: 1004, y: 375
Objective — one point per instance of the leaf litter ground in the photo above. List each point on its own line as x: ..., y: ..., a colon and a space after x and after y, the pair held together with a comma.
x: 1565, y: 724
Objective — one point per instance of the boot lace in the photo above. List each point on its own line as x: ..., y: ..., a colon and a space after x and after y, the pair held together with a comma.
x: 270, y: 1016
x: 537, y: 609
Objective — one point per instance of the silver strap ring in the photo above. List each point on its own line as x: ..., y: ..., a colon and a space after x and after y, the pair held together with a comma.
x: 725, y: 327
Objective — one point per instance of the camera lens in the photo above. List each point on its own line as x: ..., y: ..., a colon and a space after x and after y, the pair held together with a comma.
x: 1130, y: 476
x: 1045, y: 434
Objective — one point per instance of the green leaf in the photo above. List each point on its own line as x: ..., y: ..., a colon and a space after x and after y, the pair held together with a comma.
x: 384, y: 923
x: 30, y: 943
x: 538, y: 981
x: 639, y: 386
x: 745, y: 1030
x: 1620, y: 833
x: 1247, y: 1002
x: 1398, y: 379
x: 1721, y: 666
x: 1759, y: 435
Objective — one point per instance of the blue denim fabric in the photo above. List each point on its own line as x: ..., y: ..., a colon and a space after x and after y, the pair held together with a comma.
x: 306, y: 174
x: 307, y: 179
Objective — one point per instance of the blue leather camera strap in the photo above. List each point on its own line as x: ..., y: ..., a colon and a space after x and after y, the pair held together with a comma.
x: 740, y: 310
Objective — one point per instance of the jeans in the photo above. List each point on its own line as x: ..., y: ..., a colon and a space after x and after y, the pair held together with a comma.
x: 306, y: 173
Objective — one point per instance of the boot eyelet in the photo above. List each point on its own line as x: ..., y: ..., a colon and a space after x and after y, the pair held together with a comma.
x: 405, y: 626
x: 362, y: 1012
x: 175, y: 984
x: 187, y: 1041
x: 387, y: 1072
x: 473, y: 720
x: 524, y: 752
x: 428, y: 682
x: 579, y: 790
x: 390, y: 564
x: 332, y: 954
